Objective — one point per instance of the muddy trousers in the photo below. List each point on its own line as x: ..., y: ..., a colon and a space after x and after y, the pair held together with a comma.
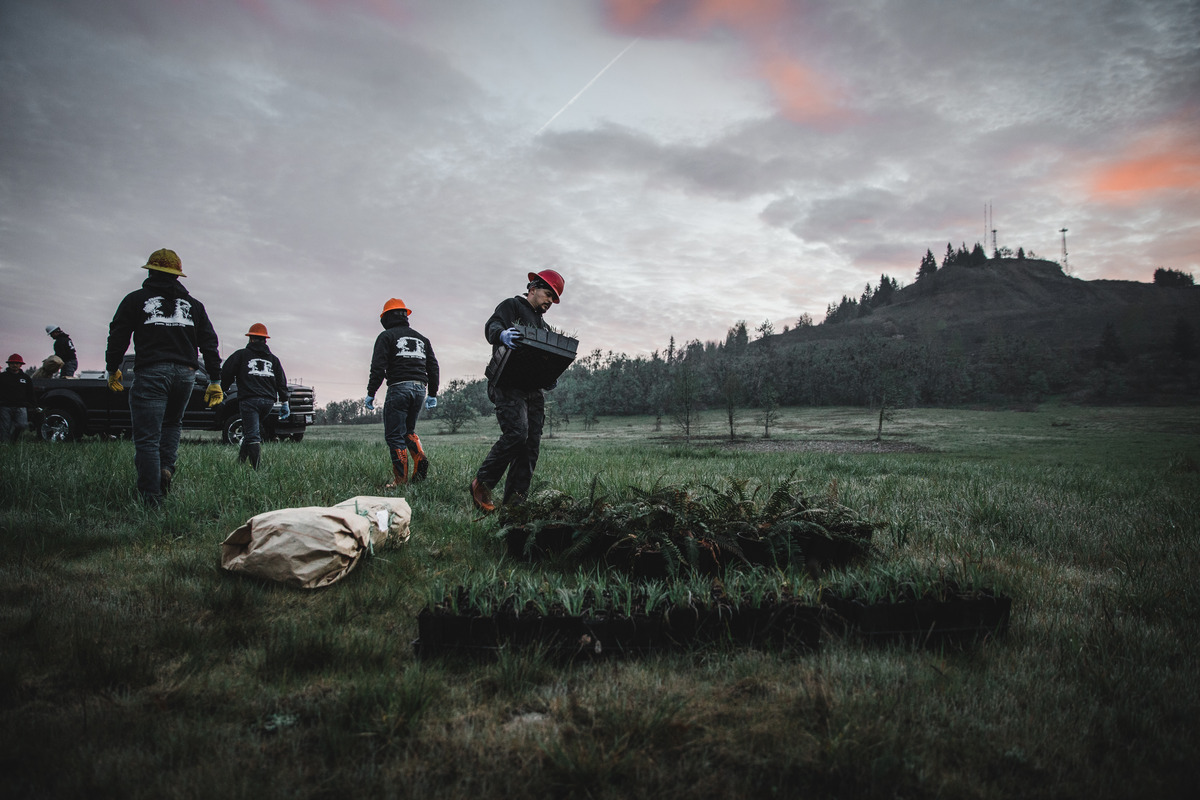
x: 522, y: 415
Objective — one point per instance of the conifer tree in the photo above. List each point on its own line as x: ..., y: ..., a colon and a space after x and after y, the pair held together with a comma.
x: 928, y: 265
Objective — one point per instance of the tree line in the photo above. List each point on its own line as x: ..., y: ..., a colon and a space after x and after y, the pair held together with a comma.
x: 749, y: 375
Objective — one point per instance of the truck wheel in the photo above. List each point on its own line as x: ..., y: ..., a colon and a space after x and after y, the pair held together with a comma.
x: 297, y: 437
x: 232, y: 432
x: 60, y: 425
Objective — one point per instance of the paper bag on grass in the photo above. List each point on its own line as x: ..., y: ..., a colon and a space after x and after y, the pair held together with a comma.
x: 389, y: 517
x: 305, y: 547
x: 315, y: 546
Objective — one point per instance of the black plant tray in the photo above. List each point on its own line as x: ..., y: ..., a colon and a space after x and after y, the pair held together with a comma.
x: 538, y: 361
x: 954, y: 619
x: 787, y: 625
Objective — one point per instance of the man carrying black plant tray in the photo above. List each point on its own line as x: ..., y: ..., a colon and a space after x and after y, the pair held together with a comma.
x: 520, y: 411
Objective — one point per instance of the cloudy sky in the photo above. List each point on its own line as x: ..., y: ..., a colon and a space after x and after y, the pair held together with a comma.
x: 683, y: 163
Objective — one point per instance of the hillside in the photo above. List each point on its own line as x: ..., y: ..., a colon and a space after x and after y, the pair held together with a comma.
x: 1031, y: 299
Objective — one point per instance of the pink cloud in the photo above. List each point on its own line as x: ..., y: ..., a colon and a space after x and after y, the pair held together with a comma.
x: 1163, y: 159
x: 801, y: 92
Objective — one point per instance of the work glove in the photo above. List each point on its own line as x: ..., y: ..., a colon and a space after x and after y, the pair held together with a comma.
x: 511, y: 338
x: 114, y: 381
x: 213, y: 396
x: 431, y: 402
x: 369, y: 403
x: 285, y: 412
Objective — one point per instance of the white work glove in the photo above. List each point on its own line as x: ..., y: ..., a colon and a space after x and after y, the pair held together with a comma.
x: 431, y: 402
x: 369, y: 403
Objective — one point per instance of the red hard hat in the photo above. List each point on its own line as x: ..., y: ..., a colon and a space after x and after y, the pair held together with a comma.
x: 258, y: 329
x: 395, y: 304
x: 552, y: 278
x: 15, y: 358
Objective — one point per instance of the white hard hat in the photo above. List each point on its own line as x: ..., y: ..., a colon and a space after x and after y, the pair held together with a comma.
x: 51, y: 329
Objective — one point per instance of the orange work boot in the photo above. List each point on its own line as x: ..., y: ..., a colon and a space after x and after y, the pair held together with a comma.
x: 399, y: 468
x: 482, y: 497
x: 420, y: 462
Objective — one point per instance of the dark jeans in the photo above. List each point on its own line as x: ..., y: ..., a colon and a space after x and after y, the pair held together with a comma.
x: 68, y: 369
x: 254, y: 410
x: 521, y: 414
x: 12, y: 422
x: 401, y: 408
x: 157, y: 399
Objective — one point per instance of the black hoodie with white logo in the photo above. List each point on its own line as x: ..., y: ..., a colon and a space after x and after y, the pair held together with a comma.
x: 167, y: 325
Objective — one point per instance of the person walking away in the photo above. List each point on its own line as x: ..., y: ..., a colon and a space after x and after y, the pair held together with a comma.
x: 48, y: 369
x: 520, y: 412
x: 167, y: 326
x: 406, y: 359
x: 64, y: 348
x: 260, y: 382
x: 16, y: 400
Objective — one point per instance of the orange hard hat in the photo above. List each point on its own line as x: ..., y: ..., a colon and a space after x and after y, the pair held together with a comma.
x: 258, y: 329
x: 551, y: 279
x: 395, y: 304
x: 15, y: 358
x: 165, y: 260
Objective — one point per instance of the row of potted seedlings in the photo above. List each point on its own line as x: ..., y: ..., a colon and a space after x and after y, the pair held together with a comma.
x: 600, y: 613
x: 678, y: 567
x: 668, y: 531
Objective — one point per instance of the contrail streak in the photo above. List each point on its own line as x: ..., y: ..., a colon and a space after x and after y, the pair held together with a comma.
x: 588, y: 86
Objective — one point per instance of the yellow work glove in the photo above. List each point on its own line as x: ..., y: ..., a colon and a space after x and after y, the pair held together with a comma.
x: 114, y: 382
x: 213, y: 395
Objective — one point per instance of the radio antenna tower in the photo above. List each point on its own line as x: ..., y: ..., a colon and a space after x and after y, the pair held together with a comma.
x: 990, y: 222
x: 1066, y: 269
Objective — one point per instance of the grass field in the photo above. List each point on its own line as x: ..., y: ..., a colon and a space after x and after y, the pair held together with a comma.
x: 132, y: 665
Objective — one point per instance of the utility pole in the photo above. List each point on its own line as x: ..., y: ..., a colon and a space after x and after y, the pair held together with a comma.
x: 1066, y: 269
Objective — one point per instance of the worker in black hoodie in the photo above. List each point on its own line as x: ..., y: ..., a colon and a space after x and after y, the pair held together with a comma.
x: 16, y: 400
x: 405, y: 358
x: 260, y: 382
x: 521, y: 412
x: 168, y: 326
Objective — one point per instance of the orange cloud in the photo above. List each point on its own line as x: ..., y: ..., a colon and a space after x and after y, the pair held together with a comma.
x: 1162, y: 160
x: 799, y: 90
x: 646, y: 17
x: 802, y: 94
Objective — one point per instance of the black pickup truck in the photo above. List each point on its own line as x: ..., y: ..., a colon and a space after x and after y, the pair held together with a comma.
x: 75, y: 407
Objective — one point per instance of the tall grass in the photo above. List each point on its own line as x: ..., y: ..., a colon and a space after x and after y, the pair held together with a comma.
x: 131, y: 665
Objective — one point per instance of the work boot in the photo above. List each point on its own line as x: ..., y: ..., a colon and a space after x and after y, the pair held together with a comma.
x: 399, y: 468
x: 420, y: 462
x: 164, y: 480
x: 482, y: 497
x: 243, y: 452
x: 255, y: 454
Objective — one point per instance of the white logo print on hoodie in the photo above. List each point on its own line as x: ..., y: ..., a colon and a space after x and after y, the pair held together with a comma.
x: 181, y: 317
x: 410, y: 347
x: 260, y: 366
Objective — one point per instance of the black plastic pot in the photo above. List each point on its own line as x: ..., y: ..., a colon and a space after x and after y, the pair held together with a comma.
x: 443, y: 632
x: 955, y: 619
